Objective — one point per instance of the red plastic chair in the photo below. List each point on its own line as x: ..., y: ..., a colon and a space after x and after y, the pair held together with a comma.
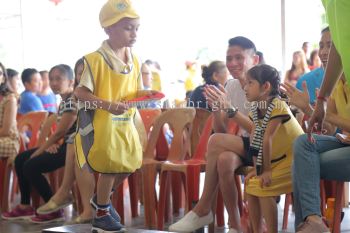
x: 34, y: 121
x: 180, y: 121
x: 190, y: 168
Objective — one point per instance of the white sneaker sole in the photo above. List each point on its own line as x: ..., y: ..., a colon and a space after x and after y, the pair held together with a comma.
x: 99, y: 230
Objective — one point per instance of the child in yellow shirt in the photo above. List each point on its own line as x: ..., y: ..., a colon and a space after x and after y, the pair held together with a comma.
x: 271, y: 147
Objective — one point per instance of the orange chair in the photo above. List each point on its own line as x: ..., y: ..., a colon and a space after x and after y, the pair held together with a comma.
x: 191, y: 169
x: 180, y: 120
x: 176, y: 180
x: 34, y: 121
x: 199, y: 122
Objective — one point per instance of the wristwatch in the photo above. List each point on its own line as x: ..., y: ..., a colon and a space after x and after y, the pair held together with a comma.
x: 231, y: 112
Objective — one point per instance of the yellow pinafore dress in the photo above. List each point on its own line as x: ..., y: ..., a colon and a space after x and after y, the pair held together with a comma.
x: 281, y: 155
x: 109, y: 143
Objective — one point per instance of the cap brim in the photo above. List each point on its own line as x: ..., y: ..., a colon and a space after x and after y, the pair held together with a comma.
x: 116, y: 19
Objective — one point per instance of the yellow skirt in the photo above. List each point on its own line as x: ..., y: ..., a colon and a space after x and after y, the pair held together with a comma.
x: 281, y: 181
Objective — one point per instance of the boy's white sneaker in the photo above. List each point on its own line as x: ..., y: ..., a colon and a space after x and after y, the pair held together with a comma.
x: 191, y: 222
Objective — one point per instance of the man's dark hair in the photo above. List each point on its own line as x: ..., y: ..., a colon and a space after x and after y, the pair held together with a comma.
x: 242, y: 42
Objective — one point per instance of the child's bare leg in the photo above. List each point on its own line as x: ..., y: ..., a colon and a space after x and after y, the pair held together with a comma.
x: 86, y: 183
x: 63, y: 193
x: 269, y: 211
x: 217, y: 144
x: 228, y: 162
x: 105, y: 184
x: 254, y: 213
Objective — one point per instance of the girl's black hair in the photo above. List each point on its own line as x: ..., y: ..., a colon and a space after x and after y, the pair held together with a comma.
x: 208, y: 71
x: 11, y: 73
x: 64, y: 69
x: 4, y: 87
x: 264, y: 73
x: 77, y: 64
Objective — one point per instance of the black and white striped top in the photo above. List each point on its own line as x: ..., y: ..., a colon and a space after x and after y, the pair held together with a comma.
x: 68, y: 105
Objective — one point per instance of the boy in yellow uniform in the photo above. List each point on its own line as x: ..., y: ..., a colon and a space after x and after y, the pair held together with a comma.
x: 107, y: 140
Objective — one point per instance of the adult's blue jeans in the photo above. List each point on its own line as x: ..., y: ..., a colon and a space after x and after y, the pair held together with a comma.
x: 327, y: 159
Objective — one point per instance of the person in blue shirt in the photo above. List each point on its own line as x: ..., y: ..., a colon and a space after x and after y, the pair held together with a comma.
x: 46, y: 95
x: 315, y: 77
x: 29, y: 100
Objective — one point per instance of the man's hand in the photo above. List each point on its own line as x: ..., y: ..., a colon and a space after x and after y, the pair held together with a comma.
x: 216, y: 96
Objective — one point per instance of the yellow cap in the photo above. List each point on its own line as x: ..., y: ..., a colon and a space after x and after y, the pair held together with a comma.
x: 114, y: 10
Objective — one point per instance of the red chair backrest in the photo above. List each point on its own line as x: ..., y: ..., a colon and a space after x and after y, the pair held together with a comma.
x: 34, y: 121
x: 202, y: 145
x: 148, y: 117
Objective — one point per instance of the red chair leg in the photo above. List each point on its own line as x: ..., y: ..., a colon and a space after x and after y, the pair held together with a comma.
x: 338, y: 206
x: 149, y: 195
x: 162, y: 199
x: 287, y: 203
x: 192, y: 186
x: 176, y: 191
